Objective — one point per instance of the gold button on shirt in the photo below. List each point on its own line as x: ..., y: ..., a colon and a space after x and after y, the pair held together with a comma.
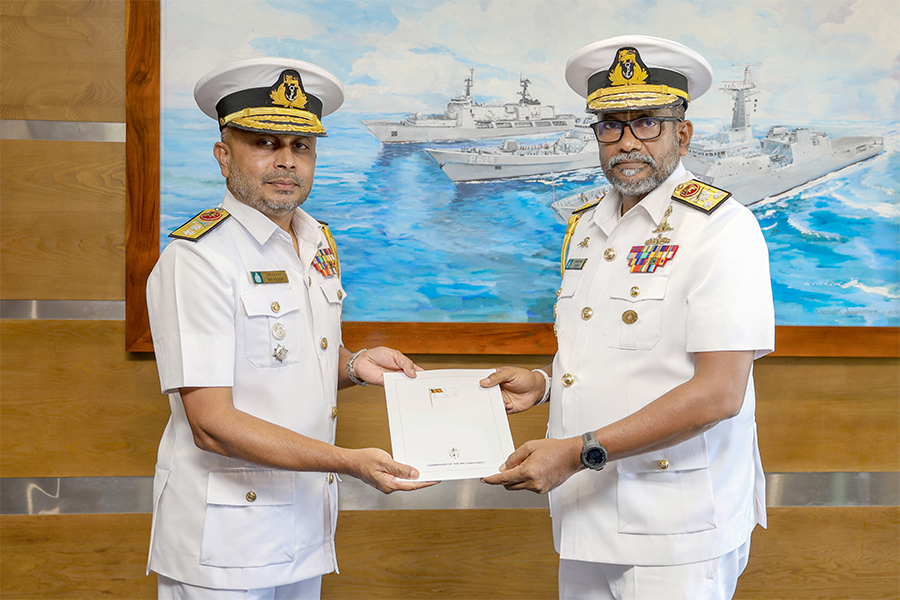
x: 568, y: 379
x: 630, y: 317
x: 587, y: 312
x: 609, y: 254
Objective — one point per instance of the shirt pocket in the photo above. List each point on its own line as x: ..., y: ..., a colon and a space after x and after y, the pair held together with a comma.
x: 635, y: 317
x: 250, y: 519
x: 666, y: 492
x: 565, y: 297
x: 272, y: 327
x: 333, y: 291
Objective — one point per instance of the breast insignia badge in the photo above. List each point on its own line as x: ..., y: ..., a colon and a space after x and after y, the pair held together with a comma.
x: 201, y: 224
x: 699, y: 195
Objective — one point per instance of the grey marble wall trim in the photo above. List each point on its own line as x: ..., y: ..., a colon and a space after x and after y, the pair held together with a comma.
x: 107, y: 495
x: 102, y: 310
x: 69, y: 131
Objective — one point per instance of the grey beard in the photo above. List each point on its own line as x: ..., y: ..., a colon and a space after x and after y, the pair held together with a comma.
x: 641, y: 187
x: 644, y: 186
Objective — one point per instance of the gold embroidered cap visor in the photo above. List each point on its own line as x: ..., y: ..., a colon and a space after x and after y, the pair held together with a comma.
x: 637, y: 72
x: 270, y: 95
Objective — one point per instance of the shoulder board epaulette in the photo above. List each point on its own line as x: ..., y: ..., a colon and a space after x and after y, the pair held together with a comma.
x: 588, y: 206
x: 333, y: 245
x: 200, y: 225
x: 699, y: 195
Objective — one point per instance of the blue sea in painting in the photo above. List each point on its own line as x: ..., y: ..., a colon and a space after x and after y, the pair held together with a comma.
x: 414, y: 246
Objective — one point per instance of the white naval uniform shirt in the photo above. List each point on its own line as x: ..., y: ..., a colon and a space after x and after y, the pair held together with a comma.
x: 213, y: 326
x: 714, y: 294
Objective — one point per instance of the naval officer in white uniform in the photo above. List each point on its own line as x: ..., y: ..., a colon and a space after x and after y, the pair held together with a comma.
x: 245, y: 312
x: 651, y: 457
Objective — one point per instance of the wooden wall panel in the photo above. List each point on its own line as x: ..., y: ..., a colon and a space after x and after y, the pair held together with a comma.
x: 806, y: 554
x: 62, y: 220
x: 73, y: 403
x: 462, y: 554
x: 75, y: 557
x: 825, y: 553
x: 62, y: 60
x: 828, y: 414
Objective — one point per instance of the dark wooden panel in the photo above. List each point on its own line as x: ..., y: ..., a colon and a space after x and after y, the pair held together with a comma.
x: 828, y: 414
x: 62, y: 220
x: 824, y: 554
x: 74, y: 403
x: 142, y: 154
x: 63, y: 61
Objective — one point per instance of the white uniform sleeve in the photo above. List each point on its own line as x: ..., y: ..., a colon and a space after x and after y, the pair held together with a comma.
x: 730, y: 305
x: 192, y: 313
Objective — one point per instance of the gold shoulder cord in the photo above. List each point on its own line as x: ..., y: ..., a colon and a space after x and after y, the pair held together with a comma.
x: 570, y: 231
x: 331, y: 244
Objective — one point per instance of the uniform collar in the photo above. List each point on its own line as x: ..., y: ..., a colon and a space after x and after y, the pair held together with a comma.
x: 654, y: 204
x: 262, y: 227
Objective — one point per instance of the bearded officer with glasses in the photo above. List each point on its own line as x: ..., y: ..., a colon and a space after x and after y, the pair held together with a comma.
x: 651, y: 458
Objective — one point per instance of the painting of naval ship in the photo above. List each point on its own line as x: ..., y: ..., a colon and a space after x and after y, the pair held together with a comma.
x: 466, y: 119
x: 754, y: 169
x: 571, y: 151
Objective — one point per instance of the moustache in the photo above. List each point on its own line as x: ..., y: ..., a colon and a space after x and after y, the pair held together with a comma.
x: 282, y: 175
x: 632, y: 156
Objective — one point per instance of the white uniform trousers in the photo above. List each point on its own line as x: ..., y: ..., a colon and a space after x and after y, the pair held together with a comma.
x: 308, y: 589
x: 713, y: 579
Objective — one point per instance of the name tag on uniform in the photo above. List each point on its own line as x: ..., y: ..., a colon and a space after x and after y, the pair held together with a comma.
x: 575, y: 264
x: 269, y: 276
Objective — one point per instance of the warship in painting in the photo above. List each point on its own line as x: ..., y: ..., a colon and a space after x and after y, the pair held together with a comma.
x: 466, y: 119
x: 754, y: 169
x: 572, y: 151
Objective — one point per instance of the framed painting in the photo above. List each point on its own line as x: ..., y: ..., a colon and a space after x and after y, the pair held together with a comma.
x: 449, y: 235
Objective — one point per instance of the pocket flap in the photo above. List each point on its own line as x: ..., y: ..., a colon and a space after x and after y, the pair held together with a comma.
x: 686, y: 456
x: 637, y: 287
x: 264, y: 302
x: 569, y: 284
x: 333, y: 290
x: 250, y: 487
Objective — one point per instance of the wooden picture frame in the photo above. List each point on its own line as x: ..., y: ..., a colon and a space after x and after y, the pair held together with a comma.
x: 142, y: 247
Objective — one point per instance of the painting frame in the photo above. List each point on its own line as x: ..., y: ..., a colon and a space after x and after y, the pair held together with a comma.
x: 142, y: 150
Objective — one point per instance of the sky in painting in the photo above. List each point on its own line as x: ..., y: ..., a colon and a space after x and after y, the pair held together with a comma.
x: 818, y: 60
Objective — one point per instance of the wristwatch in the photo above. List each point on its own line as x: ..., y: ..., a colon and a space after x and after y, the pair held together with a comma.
x: 593, y: 455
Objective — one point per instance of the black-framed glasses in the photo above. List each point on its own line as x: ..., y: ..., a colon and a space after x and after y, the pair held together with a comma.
x: 643, y: 128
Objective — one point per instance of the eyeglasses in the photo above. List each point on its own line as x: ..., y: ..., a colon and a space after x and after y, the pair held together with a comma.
x: 644, y: 128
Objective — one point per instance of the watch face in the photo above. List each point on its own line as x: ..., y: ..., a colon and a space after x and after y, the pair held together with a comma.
x: 594, y: 456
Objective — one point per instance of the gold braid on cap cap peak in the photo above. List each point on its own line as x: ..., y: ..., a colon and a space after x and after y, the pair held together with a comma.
x: 654, y: 94
x: 275, y: 119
